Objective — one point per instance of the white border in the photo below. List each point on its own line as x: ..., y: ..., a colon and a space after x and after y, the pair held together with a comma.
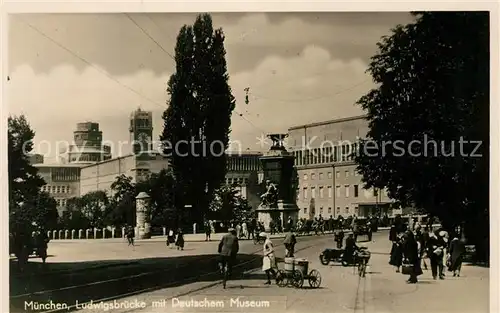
x: 65, y: 6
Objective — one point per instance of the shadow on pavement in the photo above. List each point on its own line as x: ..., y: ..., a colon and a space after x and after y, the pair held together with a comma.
x: 85, y: 281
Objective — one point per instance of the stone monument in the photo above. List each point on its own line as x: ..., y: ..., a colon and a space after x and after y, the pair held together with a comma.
x: 143, y: 226
x: 279, y: 200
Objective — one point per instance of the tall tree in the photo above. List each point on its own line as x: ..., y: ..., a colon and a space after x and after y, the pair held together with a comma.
x: 160, y: 187
x: 433, y: 78
x: 198, y: 119
x: 24, y: 182
x: 93, y: 206
x: 121, y: 210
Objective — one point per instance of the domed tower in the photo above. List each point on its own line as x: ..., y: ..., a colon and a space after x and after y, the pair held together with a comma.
x: 141, y: 131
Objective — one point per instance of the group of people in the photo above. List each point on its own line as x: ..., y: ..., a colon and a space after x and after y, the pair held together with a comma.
x: 229, y: 246
x: 246, y: 229
x: 411, y: 248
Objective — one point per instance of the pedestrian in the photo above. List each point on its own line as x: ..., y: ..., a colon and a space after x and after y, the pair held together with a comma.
x: 435, y: 252
x: 269, y: 259
x: 170, y: 238
x: 456, y: 253
x: 244, y: 229
x: 41, y: 243
x: 339, y: 237
x: 238, y: 230
x: 289, y: 243
x: 228, y: 249
x: 179, y: 241
x: 208, y: 230
x: 396, y: 258
x: 411, y: 257
x: 130, y: 236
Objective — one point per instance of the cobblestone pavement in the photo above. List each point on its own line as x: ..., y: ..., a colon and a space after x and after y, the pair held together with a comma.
x: 383, y: 290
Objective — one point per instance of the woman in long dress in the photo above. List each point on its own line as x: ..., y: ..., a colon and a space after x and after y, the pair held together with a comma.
x: 269, y: 259
x: 396, y: 254
x: 457, y: 250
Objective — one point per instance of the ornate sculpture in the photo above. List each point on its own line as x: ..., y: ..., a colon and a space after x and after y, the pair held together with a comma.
x: 278, y: 141
x: 270, y: 197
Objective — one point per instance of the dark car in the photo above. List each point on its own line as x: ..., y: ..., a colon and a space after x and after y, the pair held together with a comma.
x: 364, y: 227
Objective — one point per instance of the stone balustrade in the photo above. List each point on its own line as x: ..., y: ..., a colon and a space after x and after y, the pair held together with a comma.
x: 93, y: 233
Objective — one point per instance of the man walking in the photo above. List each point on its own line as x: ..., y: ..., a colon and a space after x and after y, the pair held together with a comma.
x: 228, y: 248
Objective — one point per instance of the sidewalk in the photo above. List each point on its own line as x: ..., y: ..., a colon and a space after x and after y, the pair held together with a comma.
x: 187, y: 237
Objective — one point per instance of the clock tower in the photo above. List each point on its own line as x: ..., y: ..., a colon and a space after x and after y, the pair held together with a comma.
x: 141, y: 131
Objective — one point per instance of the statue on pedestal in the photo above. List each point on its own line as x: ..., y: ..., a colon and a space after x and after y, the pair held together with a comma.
x: 270, y: 197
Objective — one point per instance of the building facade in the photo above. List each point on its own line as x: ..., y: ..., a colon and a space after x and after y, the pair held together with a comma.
x: 62, y: 182
x: 328, y: 182
x: 242, y: 172
x: 141, y: 131
x: 87, y: 147
x: 100, y: 176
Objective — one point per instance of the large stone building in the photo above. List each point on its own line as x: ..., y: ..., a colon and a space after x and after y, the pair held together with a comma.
x: 62, y: 181
x: 328, y: 182
x: 87, y: 147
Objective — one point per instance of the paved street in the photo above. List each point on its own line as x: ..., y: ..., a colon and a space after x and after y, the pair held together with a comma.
x: 162, y: 273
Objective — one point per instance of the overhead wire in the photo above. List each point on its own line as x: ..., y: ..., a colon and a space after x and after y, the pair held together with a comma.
x: 103, y: 72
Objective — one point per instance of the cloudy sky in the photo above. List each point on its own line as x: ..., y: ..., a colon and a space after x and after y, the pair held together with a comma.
x: 300, y: 68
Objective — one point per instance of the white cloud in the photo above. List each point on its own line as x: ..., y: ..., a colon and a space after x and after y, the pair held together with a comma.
x: 312, y: 86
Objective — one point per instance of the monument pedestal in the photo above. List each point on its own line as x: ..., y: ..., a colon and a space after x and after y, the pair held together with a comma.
x: 281, y: 211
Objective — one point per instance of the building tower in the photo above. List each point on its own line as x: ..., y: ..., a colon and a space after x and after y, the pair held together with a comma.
x: 141, y: 131
x: 88, y: 146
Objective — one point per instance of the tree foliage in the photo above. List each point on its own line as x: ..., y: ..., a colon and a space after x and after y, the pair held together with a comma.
x: 28, y: 206
x: 433, y: 86
x: 228, y: 205
x: 198, y: 119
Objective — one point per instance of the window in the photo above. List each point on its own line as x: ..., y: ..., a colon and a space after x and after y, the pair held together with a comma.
x: 346, y: 173
x: 346, y: 191
x: 313, y: 211
x: 58, y: 190
x: 337, y: 174
x: 330, y: 192
x: 338, y: 191
x: 305, y: 176
x: 313, y: 192
x: 305, y: 192
x: 338, y: 210
x: 321, y: 211
x: 321, y: 194
x: 356, y: 191
x: 313, y: 176
x: 305, y: 210
x: 329, y: 210
x: 346, y: 210
x: 320, y: 176
x: 375, y: 192
x: 329, y: 174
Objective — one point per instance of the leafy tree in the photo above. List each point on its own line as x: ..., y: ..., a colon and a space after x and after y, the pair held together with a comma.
x: 228, y: 205
x: 121, y: 210
x: 93, y: 206
x: 160, y: 187
x: 433, y: 85
x: 199, y: 113
x: 27, y: 206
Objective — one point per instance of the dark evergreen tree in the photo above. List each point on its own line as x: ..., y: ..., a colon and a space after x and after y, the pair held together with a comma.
x: 433, y: 86
x: 198, y: 119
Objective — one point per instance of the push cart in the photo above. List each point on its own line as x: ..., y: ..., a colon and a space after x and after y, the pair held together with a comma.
x: 295, y: 272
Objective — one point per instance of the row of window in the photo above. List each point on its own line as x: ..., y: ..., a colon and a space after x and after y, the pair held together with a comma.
x: 331, y: 154
x: 61, y: 202
x: 338, y: 191
x: 346, y: 211
x: 56, y: 189
x: 236, y: 181
x: 347, y: 173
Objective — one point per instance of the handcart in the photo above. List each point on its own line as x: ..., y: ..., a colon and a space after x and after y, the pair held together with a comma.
x: 295, y: 272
